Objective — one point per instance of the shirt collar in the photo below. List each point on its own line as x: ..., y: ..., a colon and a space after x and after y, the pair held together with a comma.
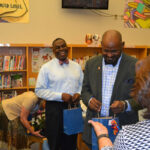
x: 62, y: 62
x: 103, y: 62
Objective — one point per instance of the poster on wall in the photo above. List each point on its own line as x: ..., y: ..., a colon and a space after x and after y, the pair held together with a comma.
x: 40, y: 57
x: 14, y: 11
x: 137, y: 14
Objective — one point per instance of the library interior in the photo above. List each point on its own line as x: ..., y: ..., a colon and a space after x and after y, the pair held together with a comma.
x: 25, y: 47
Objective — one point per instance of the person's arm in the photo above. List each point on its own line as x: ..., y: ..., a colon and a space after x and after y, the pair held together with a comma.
x: 118, y: 106
x: 102, y: 133
x: 105, y: 143
x: 86, y: 92
x: 24, y: 120
x: 42, y: 85
x: 44, y: 92
x: 78, y: 90
x: 134, y: 105
x: 76, y: 96
x: 94, y: 104
x: 124, y: 105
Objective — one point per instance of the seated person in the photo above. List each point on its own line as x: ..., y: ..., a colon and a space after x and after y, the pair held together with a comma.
x: 135, y: 136
x: 14, y: 122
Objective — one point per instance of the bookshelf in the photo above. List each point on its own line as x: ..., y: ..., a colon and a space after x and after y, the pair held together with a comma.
x: 77, y: 52
x: 13, y: 70
x: 32, y: 75
x: 148, y: 50
x: 136, y: 51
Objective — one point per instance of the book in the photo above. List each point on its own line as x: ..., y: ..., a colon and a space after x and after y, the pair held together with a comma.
x: 40, y: 57
x: 6, y: 81
x: 0, y: 96
x: 32, y: 82
x: 15, y: 63
x: 8, y: 94
x: 1, y: 63
x: 6, y: 63
x: 11, y: 65
x: 22, y: 62
x: 1, y: 81
x: 16, y: 80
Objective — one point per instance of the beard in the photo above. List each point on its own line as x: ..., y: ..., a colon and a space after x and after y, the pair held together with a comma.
x: 111, y: 61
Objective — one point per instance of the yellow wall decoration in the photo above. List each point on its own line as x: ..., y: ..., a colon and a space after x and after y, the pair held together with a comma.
x: 14, y: 11
x: 137, y: 14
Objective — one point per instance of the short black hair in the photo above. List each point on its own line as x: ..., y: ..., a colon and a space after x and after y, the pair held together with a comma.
x: 57, y: 40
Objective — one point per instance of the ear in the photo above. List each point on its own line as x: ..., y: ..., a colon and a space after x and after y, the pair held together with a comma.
x: 123, y: 43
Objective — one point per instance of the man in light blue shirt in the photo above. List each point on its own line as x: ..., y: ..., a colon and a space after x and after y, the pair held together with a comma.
x: 59, y: 82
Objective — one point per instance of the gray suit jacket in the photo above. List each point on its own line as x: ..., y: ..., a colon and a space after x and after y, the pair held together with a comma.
x: 92, y: 87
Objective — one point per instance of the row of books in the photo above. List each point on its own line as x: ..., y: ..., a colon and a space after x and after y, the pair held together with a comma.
x: 11, y: 80
x: 7, y: 94
x: 8, y: 63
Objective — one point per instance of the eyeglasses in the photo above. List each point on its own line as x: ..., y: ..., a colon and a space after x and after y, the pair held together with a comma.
x: 111, y: 51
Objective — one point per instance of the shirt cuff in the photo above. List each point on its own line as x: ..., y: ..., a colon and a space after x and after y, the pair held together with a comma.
x: 90, y: 100
x: 128, y: 106
x: 59, y: 96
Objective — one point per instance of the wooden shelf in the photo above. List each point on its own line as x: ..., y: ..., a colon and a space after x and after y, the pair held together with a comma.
x: 76, y: 51
x: 15, y: 88
x: 31, y: 87
x: 16, y: 71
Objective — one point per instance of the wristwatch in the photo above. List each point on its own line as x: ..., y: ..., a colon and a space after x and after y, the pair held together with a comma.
x: 107, y: 148
x: 102, y: 135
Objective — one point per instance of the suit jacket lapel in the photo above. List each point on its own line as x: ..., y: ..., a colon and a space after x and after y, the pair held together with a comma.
x: 98, y: 78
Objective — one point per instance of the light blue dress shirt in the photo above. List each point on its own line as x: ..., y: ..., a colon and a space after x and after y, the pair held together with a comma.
x: 109, y: 74
x: 55, y: 79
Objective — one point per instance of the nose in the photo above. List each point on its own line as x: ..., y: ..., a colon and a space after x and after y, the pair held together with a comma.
x: 109, y: 54
x: 61, y: 48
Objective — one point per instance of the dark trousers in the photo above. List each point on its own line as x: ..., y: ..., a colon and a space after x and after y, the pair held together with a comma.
x: 57, y: 140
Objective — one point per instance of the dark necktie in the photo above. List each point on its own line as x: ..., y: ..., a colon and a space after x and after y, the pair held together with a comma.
x: 66, y: 61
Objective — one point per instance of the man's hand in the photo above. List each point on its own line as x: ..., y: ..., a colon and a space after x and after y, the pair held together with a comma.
x: 76, y: 98
x: 66, y: 97
x: 95, y: 105
x: 117, y: 107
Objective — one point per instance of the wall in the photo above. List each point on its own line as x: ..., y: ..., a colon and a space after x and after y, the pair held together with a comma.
x: 48, y: 21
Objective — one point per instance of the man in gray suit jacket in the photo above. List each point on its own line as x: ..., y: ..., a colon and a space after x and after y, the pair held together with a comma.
x: 108, y: 80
